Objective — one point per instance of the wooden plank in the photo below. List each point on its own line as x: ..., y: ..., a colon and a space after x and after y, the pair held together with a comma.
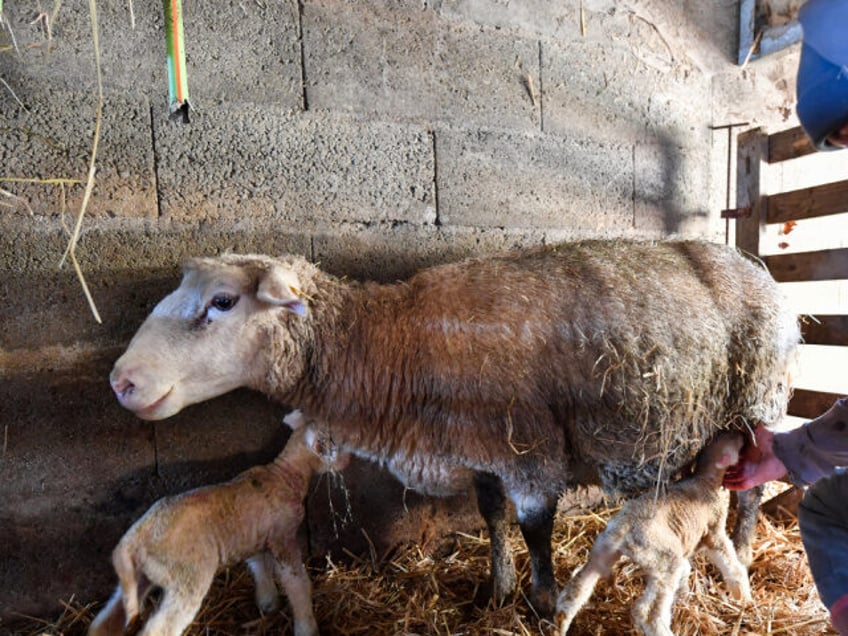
x: 825, y: 330
x: 751, y: 148
x: 821, y: 200
x: 810, y: 404
x: 789, y: 144
x: 808, y: 266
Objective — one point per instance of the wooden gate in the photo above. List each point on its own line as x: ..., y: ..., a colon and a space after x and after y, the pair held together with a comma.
x: 755, y: 211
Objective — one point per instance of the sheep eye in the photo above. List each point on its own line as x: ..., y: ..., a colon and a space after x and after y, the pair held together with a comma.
x: 223, y: 302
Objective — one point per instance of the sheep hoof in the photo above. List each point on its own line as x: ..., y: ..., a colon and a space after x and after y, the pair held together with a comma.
x: 492, y: 593
x: 544, y: 602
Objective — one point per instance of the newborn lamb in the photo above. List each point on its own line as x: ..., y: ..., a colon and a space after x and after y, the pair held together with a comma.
x: 182, y: 542
x: 660, y: 536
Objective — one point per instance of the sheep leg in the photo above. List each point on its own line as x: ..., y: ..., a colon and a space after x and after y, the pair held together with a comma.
x: 652, y: 613
x: 722, y: 554
x: 298, y: 588
x: 110, y: 621
x: 604, y: 554
x: 537, y: 526
x: 491, y: 502
x: 261, y: 567
x: 683, y: 583
x: 747, y: 505
x: 177, y: 609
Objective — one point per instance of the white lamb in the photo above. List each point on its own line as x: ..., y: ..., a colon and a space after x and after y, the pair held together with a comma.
x: 182, y: 541
x: 660, y: 536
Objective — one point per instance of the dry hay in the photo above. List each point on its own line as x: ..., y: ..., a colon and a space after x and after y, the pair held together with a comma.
x: 432, y: 590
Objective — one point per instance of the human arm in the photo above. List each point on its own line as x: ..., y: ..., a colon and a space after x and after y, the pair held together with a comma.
x: 816, y: 449
x: 806, y: 453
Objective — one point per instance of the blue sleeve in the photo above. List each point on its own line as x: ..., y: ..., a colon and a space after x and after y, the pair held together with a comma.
x: 816, y: 449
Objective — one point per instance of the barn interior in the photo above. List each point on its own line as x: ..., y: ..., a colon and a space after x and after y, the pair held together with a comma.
x: 374, y: 137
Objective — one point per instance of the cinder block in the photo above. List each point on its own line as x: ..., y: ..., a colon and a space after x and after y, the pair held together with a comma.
x: 386, y: 254
x: 251, y: 162
x: 52, y: 139
x: 559, y: 20
x: 243, y: 52
x: 761, y: 95
x: 74, y: 468
x: 130, y: 58
x: 620, y: 92
x: 491, y: 179
x: 396, y: 60
x: 215, y: 440
x: 671, y: 189
x: 50, y: 436
x: 128, y: 270
x: 52, y: 559
x: 235, y: 51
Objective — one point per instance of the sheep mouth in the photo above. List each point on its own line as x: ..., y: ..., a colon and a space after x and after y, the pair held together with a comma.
x: 149, y: 412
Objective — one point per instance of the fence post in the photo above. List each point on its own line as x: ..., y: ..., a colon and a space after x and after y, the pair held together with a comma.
x: 751, y: 152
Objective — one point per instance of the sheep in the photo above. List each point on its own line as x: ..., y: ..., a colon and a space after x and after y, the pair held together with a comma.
x: 660, y: 536
x: 182, y: 541
x: 594, y: 362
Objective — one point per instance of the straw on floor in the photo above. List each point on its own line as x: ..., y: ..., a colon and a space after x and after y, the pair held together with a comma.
x: 440, y: 589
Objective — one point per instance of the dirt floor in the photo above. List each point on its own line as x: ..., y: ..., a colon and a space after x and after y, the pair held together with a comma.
x: 440, y: 589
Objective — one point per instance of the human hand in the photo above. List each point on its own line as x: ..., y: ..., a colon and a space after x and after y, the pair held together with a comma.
x: 757, y: 463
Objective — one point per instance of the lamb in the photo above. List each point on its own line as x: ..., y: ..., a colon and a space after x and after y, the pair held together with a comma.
x: 182, y: 541
x: 660, y: 535
x: 595, y: 362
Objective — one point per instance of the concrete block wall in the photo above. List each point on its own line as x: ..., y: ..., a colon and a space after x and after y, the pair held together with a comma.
x: 374, y: 137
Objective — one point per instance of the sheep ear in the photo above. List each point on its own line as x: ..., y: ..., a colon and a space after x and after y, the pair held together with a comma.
x: 280, y: 286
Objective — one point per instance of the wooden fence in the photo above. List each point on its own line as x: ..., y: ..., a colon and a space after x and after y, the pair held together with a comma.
x: 755, y: 210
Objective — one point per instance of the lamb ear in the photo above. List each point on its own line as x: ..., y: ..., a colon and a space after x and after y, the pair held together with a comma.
x: 294, y: 420
x: 280, y: 286
x: 321, y: 445
x: 727, y: 460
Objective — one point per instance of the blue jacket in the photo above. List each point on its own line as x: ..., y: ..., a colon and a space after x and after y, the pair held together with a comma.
x: 822, y: 83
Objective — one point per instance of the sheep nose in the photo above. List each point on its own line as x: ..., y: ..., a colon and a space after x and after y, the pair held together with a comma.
x: 121, y: 385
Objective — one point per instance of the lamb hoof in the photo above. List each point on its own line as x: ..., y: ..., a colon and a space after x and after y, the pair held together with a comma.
x: 740, y: 591
x: 306, y: 628
x: 562, y: 621
x: 268, y: 605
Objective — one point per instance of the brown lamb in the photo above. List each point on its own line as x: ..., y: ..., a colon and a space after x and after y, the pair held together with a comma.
x: 181, y: 542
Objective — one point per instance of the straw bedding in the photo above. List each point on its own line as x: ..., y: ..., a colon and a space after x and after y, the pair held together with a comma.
x: 437, y: 589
